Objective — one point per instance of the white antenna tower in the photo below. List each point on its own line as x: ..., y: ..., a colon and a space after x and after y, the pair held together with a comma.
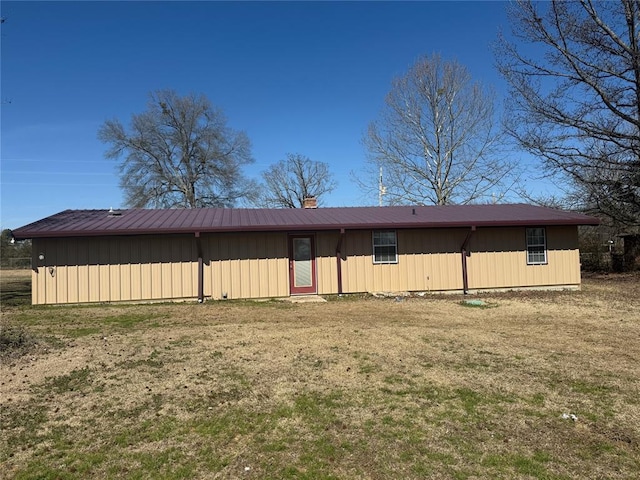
x: 382, y: 190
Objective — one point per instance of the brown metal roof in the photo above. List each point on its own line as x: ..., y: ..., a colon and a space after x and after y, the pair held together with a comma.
x: 80, y: 223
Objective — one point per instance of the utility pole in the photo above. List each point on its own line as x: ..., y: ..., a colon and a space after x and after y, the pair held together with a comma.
x: 382, y: 190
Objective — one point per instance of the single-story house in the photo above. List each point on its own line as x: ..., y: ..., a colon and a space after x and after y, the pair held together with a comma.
x: 217, y: 253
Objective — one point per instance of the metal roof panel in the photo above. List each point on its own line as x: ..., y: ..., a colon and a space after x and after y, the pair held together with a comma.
x: 71, y: 223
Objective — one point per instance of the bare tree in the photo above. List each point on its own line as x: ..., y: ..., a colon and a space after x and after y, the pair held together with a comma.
x: 436, y: 138
x: 288, y: 182
x: 576, y: 103
x: 179, y: 153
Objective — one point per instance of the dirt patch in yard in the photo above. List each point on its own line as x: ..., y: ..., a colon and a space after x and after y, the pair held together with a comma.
x: 352, y: 388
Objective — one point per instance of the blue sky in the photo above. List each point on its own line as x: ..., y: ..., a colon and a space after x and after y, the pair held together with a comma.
x: 299, y: 77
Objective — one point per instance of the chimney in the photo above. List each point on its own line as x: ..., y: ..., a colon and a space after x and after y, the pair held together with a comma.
x: 310, y: 202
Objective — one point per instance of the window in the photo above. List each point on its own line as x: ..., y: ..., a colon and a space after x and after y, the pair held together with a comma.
x: 385, y: 247
x: 536, y: 246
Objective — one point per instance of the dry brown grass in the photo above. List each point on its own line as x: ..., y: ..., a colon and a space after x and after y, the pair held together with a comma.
x: 353, y: 388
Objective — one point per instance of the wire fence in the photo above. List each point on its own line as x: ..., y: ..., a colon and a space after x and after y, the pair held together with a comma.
x: 16, y: 263
x: 607, y: 262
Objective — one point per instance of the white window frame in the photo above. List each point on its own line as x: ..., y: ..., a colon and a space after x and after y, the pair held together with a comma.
x: 379, y: 245
x: 533, y: 246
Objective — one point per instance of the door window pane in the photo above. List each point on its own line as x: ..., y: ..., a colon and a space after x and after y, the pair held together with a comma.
x: 302, y: 262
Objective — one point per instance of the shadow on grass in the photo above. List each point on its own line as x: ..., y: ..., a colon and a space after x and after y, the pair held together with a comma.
x: 15, y: 292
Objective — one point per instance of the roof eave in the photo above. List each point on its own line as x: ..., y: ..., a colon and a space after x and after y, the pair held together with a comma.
x: 25, y: 234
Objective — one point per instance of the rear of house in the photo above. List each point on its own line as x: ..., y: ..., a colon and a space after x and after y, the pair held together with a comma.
x: 151, y: 255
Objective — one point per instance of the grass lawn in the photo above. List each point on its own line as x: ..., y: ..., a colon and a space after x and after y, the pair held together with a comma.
x: 355, y: 388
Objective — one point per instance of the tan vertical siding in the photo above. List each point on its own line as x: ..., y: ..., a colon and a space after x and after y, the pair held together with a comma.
x: 53, y: 277
x: 125, y: 269
x: 165, y: 265
x: 60, y: 276
x: 114, y: 269
x: 427, y: 260
x: 256, y: 265
x: 326, y: 266
x: 430, y: 260
x: 357, y: 250
x: 499, y: 260
x: 50, y: 281
x: 246, y: 265
x: 103, y: 261
x: 264, y: 276
x: 135, y: 269
x: 35, y: 277
x: 73, y: 285
x: 81, y: 254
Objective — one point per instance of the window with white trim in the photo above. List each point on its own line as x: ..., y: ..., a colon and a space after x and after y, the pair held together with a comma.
x: 385, y: 246
x: 536, y: 246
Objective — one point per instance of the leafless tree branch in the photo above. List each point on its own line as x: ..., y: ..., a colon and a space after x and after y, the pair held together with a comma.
x: 179, y: 153
x: 577, y: 107
x: 288, y: 182
x: 436, y: 139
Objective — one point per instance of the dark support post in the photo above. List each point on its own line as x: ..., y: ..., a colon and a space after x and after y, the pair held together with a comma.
x: 200, y: 269
x: 463, y: 251
x: 339, y: 260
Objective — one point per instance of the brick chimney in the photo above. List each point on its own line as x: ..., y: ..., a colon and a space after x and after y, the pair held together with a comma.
x: 310, y: 202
